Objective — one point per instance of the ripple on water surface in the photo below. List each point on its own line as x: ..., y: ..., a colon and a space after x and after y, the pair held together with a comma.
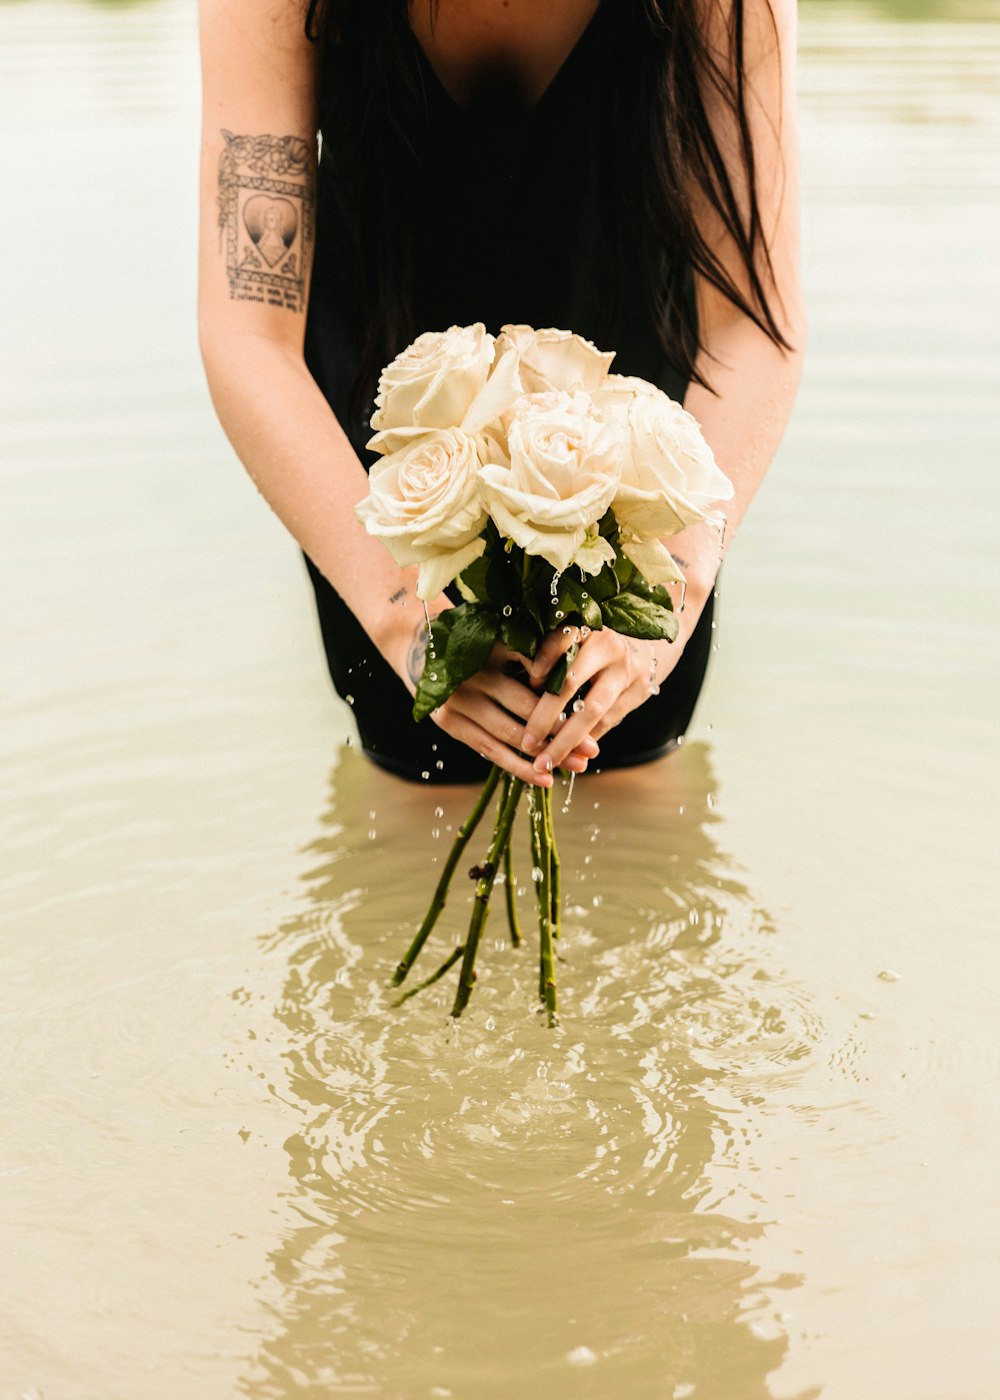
x: 614, y: 1152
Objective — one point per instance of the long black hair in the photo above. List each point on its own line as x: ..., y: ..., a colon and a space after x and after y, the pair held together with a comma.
x: 649, y: 202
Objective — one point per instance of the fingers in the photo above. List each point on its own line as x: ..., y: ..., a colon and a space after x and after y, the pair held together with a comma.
x: 556, y: 644
x: 586, y: 714
x: 544, y: 718
x: 511, y: 696
x: 469, y: 731
x: 474, y: 718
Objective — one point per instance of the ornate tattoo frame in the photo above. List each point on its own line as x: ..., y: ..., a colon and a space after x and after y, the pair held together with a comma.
x: 267, y: 216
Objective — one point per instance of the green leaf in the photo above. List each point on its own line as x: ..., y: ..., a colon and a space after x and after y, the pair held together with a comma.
x: 633, y: 616
x: 520, y: 634
x: 474, y: 578
x: 604, y: 585
x: 470, y: 641
x: 653, y: 592
x: 624, y: 570
x: 575, y: 597
x: 436, y: 684
x: 461, y: 640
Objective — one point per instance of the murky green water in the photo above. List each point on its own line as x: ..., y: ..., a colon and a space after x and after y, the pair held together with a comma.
x: 759, y: 1157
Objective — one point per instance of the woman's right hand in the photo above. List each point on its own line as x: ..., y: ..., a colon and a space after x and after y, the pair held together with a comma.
x: 488, y: 711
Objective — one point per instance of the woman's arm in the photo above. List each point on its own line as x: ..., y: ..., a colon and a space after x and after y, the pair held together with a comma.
x: 258, y: 193
x: 752, y: 381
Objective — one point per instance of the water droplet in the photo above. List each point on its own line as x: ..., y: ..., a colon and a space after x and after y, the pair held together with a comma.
x: 584, y: 596
x: 506, y: 610
x: 536, y: 874
x: 435, y: 833
x: 569, y: 792
x: 567, y: 631
x: 372, y: 834
x: 584, y: 632
x: 562, y: 717
x: 434, y: 675
x: 579, y: 706
x: 597, y: 901
x: 372, y: 814
x: 888, y: 975
x: 349, y: 699
x: 439, y: 764
x: 559, y: 615
x: 439, y: 811
x: 581, y: 1356
x: 425, y: 775
x: 491, y: 1025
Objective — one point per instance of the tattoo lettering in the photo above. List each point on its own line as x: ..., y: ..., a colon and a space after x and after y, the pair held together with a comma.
x: 266, y: 216
x: 398, y: 596
x: 418, y: 653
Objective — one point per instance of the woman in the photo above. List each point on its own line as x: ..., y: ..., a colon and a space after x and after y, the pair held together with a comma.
x: 625, y: 169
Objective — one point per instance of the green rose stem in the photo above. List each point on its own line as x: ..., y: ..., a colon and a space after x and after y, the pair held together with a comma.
x: 449, y: 962
x: 555, y: 876
x: 542, y: 854
x: 484, y: 888
x: 441, y: 893
x: 510, y: 896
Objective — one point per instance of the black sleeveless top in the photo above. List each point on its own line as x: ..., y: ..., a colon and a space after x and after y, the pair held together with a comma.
x: 504, y: 226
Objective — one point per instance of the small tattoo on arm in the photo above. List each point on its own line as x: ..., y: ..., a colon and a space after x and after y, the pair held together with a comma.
x: 418, y: 653
x: 266, y: 217
x: 399, y: 594
x: 683, y: 562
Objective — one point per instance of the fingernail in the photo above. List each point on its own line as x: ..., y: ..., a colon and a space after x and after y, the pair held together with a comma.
x: 575, y: 764
x: 590, y: 747
x: 529, y: 743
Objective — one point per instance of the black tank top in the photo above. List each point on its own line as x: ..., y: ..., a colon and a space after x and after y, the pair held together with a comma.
x: 504, y: 226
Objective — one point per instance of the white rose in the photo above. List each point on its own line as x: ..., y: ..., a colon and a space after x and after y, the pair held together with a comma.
x: 424, y: 505
x: 559, y: 477
x: 552, y: 359
x: 669, y: 476
x: 432, y: 383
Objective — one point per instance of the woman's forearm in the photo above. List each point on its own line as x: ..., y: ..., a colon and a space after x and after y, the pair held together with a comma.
x: 304, y: 466
x: 743, y: 421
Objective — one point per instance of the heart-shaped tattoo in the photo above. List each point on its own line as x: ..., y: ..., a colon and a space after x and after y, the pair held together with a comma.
x: 272, y: 224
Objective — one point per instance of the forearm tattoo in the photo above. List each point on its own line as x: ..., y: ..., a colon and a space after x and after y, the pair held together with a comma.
x: 418, y: 653
x: 267, y: 217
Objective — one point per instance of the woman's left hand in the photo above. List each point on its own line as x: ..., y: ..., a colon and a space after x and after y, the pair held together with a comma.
x: 623, y: 673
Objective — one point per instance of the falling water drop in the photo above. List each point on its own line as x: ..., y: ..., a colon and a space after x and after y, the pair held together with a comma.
x: 578, y: 708
x: 569, y: 792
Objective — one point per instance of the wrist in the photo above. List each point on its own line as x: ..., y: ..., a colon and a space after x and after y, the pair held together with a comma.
x: 399, y: 631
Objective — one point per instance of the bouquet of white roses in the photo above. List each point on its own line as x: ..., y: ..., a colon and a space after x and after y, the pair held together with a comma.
x: 543, y: 486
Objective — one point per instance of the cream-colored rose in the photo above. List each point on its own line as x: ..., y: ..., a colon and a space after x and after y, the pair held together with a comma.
x: 558, y: 478
x: 424, y: 505
x: 669, y: 476
x: 432, y: 383
x: 553, y: 359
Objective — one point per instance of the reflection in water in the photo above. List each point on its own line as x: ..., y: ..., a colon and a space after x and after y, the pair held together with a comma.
x: 479, y: 1203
